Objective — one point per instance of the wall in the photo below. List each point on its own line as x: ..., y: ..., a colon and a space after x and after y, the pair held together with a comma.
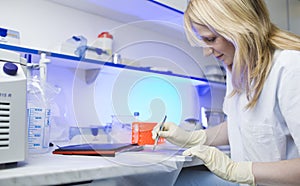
x: 275, y: 6
x: 45, y: 25
x: 285, y: 14
x: 294, y: 16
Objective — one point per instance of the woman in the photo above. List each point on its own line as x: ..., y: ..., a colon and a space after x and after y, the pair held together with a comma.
x: 262, y: 102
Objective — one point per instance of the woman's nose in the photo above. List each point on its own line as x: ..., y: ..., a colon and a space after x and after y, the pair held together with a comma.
x: 207, y: 51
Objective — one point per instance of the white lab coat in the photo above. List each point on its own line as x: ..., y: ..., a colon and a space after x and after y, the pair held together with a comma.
x: 271, y: 130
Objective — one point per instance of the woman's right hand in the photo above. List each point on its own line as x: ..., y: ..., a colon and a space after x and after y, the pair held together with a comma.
x: 178, y: 136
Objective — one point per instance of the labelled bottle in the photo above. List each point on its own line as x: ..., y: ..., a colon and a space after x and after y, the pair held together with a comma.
x: 38, y: 109
x: 38, y: 113
x: 104, y: 42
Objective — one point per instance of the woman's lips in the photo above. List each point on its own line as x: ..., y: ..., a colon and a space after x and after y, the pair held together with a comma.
x: 219, y: 57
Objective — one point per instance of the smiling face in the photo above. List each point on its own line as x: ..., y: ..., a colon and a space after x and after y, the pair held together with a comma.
x: 222, y: 49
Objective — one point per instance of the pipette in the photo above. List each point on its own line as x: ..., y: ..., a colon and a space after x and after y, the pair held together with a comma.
x: 160, y: 129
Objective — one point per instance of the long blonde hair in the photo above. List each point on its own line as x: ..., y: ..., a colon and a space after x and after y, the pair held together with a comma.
x: 245, y: 23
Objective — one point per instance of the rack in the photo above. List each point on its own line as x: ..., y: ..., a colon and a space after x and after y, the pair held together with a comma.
x: 93, y: 67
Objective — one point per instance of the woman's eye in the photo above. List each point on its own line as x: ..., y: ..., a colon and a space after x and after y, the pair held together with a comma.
x: 211, y: 39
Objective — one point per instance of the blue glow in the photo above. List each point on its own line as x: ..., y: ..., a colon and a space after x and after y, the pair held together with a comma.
x: 154, y: 97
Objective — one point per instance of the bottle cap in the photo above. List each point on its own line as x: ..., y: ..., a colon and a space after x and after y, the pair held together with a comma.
x: 105, y: 35
x: 76, y: 38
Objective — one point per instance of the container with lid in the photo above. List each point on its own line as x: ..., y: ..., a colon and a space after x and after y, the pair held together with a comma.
x: 72, y: 44
x: 104, y: 42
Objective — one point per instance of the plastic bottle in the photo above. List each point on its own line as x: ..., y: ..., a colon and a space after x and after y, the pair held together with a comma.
x: 104, y: 42
x: 38, y: 112
x: 136, y: 116
x: 135, y: 128
x: 72, y: 45
x: 43, y: 68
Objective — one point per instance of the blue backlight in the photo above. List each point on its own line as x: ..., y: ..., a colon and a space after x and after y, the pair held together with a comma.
x: 155, y: 97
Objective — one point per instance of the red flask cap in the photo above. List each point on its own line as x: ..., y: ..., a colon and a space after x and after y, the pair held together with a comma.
x: 105, y: 35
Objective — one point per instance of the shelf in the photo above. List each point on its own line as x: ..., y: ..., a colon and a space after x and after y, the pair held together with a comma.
x: 177, y: 6
x: 90, y: 65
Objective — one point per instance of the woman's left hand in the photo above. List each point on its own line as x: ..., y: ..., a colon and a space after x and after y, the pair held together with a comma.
x: 221, y: 165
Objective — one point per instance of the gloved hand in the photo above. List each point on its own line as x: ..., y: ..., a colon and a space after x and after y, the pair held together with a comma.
x: 220, y: 164
x: 176, y: 135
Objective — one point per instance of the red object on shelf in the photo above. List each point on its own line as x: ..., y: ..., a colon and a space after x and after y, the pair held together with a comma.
x: 105, y: 35
x: 142, y: 133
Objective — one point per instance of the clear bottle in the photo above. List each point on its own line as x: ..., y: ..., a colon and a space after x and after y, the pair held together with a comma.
x: 38, y: 109
x: 104, y: 42
x: 135, y: 128
x: 136, y: 116
x: 74, y: 45
x: 38, y: 113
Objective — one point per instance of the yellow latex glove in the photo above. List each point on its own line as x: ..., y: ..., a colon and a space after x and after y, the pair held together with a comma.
x: 221, y: 165
x: 178, y: 136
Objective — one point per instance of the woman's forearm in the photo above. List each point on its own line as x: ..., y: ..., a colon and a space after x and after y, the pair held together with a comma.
x: 285, y: 173
x: 217, y: 135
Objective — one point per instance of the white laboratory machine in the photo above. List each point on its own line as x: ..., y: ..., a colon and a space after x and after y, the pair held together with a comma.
x: 13, y: 120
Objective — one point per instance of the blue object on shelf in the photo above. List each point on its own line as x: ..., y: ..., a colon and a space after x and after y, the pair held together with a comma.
x: 3, y: 32
x: 80, y: 51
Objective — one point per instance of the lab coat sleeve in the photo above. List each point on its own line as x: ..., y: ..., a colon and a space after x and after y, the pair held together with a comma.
x: 228, y: 91
x: 289, y: 99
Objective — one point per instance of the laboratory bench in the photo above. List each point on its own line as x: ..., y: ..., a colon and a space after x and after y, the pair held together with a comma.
x: 146, y: 167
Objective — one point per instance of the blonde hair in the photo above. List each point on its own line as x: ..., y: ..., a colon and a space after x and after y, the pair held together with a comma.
x: 247, y: 25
